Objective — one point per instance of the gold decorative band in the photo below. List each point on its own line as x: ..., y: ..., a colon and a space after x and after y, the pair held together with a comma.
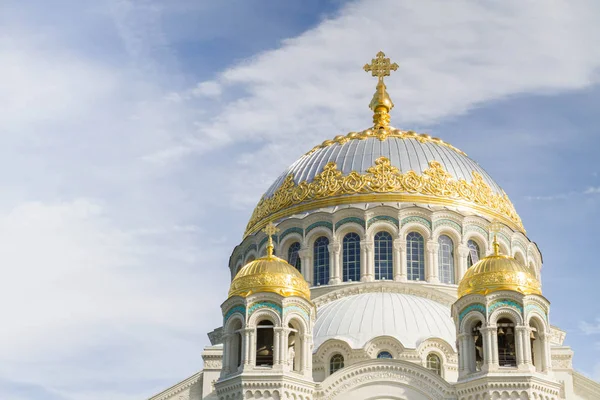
x: 383, y: 134
x: 383, y: 183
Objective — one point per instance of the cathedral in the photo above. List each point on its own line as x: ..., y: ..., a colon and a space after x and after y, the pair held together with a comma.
x: 385, y: 265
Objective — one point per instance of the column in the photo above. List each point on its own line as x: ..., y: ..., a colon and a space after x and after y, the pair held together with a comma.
x: 226, y: 349
x: 335, y: 272
x: 307, y: 267
x: 463, y: 253
x: 399, y: 261
x: 306, y: 366
x: 545, y: 350
x: 431, y: 269
x: 489, y: 353
x: 520, y: 347
x: 252, y: 348
x: 494, y: 336
x: 247, y: 338
x: 276, y: 346
x: 463, y: 361
x: 367, y: 261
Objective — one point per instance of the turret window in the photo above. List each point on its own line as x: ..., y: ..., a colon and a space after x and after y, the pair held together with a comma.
x: 321, y: 261
x: 434, y: 364
x: 293, y: 256
x: 383, y: 256
x: 351, y: 257
x: 415, y: 256
x: 446, y: 259
x: 474, y: 253
x: 336, y: 363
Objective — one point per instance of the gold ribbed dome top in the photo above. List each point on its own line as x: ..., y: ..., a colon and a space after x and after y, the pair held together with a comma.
x: 269, y: 274
x: 498, y: 272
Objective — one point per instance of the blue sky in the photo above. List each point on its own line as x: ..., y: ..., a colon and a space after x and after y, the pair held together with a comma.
x: 137, y: 136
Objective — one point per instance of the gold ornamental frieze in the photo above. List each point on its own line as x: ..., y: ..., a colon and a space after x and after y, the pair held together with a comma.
x: 435, y: 185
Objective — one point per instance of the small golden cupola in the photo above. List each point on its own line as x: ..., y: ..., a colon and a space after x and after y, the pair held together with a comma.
x: 269, y: 274
x: 498, y: 272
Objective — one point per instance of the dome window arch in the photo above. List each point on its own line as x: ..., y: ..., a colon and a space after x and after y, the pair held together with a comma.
x: 446, y: 259
x: 474, y: 253
x: 434, y: 363
x: 351, y: 257
x: 415, y: 256
x: 336, y: 362
x: 321, y: 261
x: 384, y: 267
x: 293, y: 256
x: 385, y: 355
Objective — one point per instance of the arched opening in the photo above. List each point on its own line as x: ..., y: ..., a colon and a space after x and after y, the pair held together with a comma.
x: 538, y: 345
x: 336, y: 362
x: 295, y: 349
x: 351, y: 257
x: 415, y: 256
x: 507, y: 351
x: 384, y: 266
x: 434, y: 364
x: 235, y: 346
x: 321, y: 261
x: 472, y: 347
x: 293, y: 256
x: 474, y: 253
x: 385, y: 354
x: 446, y: 259
x: 264, y: 344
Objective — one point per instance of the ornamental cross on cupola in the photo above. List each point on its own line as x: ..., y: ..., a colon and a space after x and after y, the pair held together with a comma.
x: 270, y: 230
x: 381, y: 104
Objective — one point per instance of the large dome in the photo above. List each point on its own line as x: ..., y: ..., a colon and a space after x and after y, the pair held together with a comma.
x: 359, y: 318
x: 384, y: 165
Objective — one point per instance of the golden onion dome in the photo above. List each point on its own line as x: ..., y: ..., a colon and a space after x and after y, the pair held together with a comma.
x: 383, y: 164
x: 269, y: 274
x: 498, y: 272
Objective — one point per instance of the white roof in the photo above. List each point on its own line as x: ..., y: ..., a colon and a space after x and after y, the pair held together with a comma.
x: 359, y: 318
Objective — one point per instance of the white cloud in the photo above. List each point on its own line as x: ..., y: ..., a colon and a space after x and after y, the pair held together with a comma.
x: 592, y: 190
x: 208, y: 89
x: 590, y: 328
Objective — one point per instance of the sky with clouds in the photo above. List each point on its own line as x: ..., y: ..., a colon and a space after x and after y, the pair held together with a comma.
x: 137, y: 135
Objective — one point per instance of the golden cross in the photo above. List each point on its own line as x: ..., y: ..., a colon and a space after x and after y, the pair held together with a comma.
x: 380, y: 66
x: 270, y: 230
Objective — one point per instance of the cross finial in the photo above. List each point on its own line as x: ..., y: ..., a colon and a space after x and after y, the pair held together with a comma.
x: 381, y: 104
x: 270, y: 230
x: 380, y: 66
x: 495, y: 227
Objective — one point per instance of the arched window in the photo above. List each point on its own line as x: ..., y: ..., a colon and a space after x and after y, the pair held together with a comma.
x: 384, y: 354
x: 336, y: 363
x: 446, y: 259
x: 293, y: 257
x: 264, y: 344
x: 434, y: 364
x: 384, y: 268
x: 321, y: 261
x: 474, y: 253
x: 507, y: 351
x: 351, y: 257
x: 415, y: 256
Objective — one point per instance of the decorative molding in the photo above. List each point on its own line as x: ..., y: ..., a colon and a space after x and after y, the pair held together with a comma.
x: 264, y: 304
x: 288, y: 231
x: 349, y: 220
x: 505, y: 303
x: 417, y: 219
x: 235, y: 309
x: 435, y: 185
x: 317, y: 224
x: 386, y: 218
x: 469, y: 308
x: 447, y: 222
